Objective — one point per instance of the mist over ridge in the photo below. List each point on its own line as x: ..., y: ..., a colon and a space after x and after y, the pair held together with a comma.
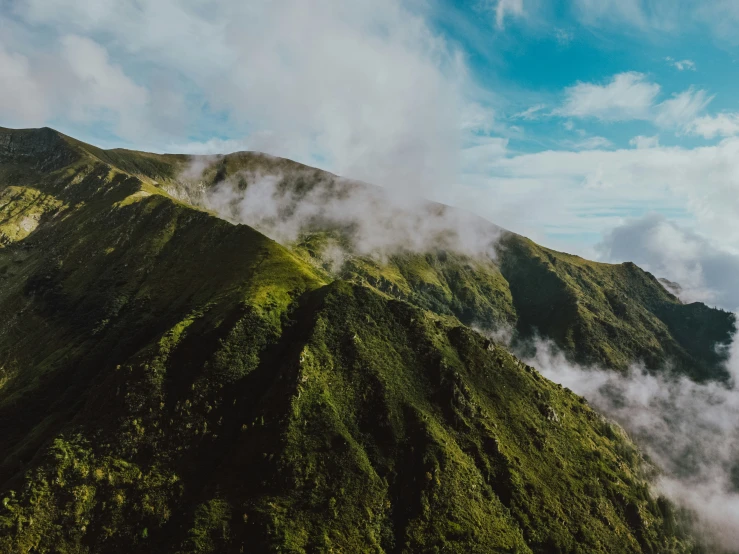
x: 685, y: 426
x: 364, y: 306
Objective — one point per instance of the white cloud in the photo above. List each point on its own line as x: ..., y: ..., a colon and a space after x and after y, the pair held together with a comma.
x: 712, y: 126
x: 641, y: 141
x: 595, y: 12
x: 630, y: 96
x: 75, y: 80
x: 366, y: 86
x: 719, y: 17
x: 101, y: 86
x: 626, y: 96
x: 22, y: 99
x: 483, y: 153
x: 681, y: 65
x: 705, y: 272
x: 681, y: 109
x: 563, y: 37
x: 590, y: 143
x: 580, y: 194
x: 506, y: 8
x: 534, y: 112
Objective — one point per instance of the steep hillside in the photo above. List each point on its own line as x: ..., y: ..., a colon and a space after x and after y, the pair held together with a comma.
x: 611, y: 315
x: 170, y: 382
x: 600, y: 314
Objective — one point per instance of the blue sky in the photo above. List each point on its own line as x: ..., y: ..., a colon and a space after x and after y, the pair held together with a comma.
x: 569, y: 121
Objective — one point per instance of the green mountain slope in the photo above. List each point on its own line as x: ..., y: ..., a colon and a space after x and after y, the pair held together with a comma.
x: 170, y: 382
x: 599, y: 314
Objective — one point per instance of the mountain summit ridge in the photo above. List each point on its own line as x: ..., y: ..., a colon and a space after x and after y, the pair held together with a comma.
x: 172, y: 382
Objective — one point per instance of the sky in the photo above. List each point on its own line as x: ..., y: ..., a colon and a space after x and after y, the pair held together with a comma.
x: 605, y: 128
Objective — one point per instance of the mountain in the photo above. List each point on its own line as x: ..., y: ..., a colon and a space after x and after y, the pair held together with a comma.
x: 173, y: 382
x: 607, y: 315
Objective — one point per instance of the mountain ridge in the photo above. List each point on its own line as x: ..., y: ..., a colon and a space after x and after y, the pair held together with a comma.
x: 172, y: 382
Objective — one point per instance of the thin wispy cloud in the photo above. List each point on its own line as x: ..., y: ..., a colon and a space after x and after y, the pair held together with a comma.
x: 681, y: 65
x: 640, y: 141
x: 534, y: 112
x: 504, y: 10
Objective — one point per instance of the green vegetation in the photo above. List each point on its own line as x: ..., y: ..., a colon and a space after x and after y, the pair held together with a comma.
x: 612, y: 315
x: 170, y: 382
x: 599, y: 314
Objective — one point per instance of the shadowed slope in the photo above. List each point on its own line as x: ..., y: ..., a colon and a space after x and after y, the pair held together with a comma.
x: 170, y: 382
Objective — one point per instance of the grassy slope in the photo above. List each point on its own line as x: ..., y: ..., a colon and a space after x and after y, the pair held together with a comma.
x: 600, y: 314
x: 611, y: 315
x: 171, y: 382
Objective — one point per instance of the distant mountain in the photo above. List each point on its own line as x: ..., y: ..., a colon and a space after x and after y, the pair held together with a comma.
x: 172, y: 382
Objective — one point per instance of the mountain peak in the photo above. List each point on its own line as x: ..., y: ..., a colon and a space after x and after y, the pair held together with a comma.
x: 42, y: 149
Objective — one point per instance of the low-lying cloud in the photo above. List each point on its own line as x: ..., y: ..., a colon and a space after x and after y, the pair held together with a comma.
x: 286, y: 204
x: 688, y: 430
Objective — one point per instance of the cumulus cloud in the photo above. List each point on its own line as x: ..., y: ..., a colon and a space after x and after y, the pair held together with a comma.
x: 101, y: 85
x: 720, y: 125
x: 704, y: 272
x: 75, y: 79
x: 365, y: 88
x: 626, y: 96
x: 21, y: 98
x: 631, y: 96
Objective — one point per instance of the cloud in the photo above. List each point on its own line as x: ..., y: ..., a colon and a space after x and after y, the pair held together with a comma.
x: 630, y: 96
x: 641, y: 141
x: 705, y: 272
x: 101, y: 85
x: 530, y: 113
x: 574, y: 196
x: 688, y: 430
x: 590, y: 143
x: 563, y: 36
x: 366, y: 88
x: 718, y: 17
x: 74, y: 80
x: 681, y: 109
x: 626, y: 96
x: 595, y: 12
x: 712, y: 126
x: 22, y: 99
x: 681, y: 65
x: 504, y: 9
x: 376, y: 220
